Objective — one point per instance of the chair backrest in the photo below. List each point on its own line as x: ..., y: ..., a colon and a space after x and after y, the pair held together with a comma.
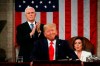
x: 88, y: 45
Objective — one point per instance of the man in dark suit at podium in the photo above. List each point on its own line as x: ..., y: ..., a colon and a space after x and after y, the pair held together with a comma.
x: 52, y: 48
x: 27, y: 33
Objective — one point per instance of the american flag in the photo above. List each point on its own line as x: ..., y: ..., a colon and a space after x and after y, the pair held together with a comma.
x: 72, y: 17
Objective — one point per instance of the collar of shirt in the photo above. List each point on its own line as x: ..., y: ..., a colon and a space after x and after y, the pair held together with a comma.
x: 54, y: 41
x: 31, y: 23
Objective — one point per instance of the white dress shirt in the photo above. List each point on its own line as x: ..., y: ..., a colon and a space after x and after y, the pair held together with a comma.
x: 31, y: 23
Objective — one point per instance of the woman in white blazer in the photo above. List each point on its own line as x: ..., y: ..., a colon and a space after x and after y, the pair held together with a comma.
x: 79, y: 46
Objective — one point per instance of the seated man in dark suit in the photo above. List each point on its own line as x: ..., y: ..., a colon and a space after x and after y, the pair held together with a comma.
x: 52, y: 48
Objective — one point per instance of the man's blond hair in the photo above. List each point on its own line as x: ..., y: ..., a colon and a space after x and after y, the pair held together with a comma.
x: 49, y: 25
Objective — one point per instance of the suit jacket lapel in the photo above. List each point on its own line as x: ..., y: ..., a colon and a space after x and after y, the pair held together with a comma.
x: 27, y: 26
x: 57, y: 45
x: 46, y: 47
x: 46, y: 44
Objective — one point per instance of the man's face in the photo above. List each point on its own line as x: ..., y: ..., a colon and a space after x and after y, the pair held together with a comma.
x: 50, y: 33
x: 30, y: 14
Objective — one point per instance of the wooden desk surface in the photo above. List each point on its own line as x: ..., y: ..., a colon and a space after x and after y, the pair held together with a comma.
x: 43, y: 63
x: 92, y: 63
x: 57, y: 63
x: 14, y: 64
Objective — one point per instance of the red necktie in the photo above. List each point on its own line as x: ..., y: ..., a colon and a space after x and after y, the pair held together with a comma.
x: 51, y: 51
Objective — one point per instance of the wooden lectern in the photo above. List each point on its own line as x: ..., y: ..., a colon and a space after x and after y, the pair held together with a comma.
x: 57, y: 63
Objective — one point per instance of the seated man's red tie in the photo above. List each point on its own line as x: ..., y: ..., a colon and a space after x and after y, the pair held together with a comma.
x: 51, y: 51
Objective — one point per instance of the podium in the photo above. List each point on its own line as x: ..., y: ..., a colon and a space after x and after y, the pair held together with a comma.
x: 56, y: 63
x: 14, y: 64
x: 51, y: 63
x: 92, y: 63
x: 43, y: 63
